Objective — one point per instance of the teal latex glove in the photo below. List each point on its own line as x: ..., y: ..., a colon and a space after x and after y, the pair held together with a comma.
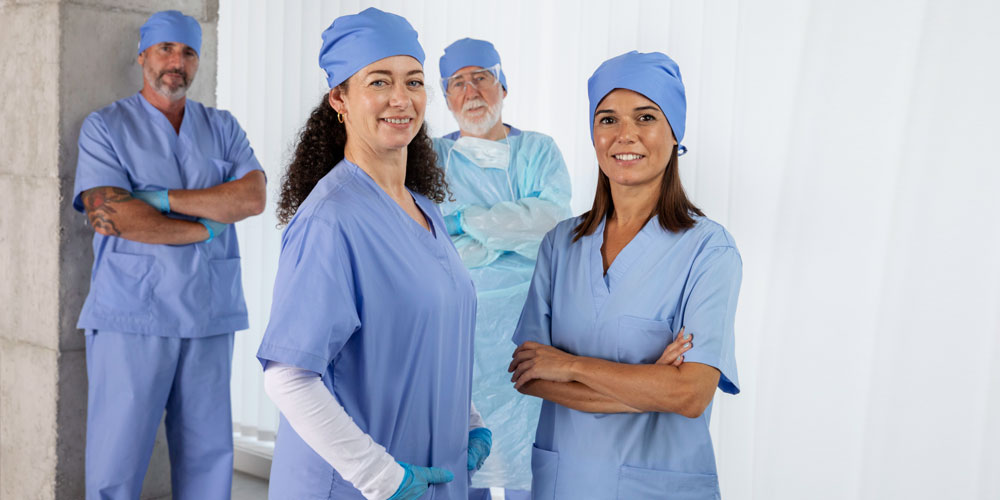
x: 158, y: 199
x: 417, y: 480
x: 480, y: 442
x: 214, y: 228
x: 453, y: 223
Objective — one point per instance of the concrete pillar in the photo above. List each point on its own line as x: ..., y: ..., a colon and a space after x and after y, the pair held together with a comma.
x: 61, y: 60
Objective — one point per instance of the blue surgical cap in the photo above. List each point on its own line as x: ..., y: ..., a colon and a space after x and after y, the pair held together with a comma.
x: 470, y: 52
x: 170, y: 26
x: 651, y: 74
x: 355, y: 41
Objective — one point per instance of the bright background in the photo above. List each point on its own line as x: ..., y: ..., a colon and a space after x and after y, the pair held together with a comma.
x: 849, y: 147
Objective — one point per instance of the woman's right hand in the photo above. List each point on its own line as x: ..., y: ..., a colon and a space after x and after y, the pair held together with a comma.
x: 674, y: 353
x: 417, y: 480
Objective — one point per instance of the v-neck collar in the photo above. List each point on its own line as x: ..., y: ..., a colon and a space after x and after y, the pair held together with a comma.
x: 623, y: 262
x: 161, y: 120
x: 390, y: 204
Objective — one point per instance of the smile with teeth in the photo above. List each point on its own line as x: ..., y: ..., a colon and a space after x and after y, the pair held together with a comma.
x: 627, y: 156
x: 397, y: 121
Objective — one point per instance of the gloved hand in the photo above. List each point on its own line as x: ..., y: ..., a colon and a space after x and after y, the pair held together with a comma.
x: 453, y: 223
x: 158, y: 199
x: 418, y: 479
x: 480, y: 442
x: 214, y: 228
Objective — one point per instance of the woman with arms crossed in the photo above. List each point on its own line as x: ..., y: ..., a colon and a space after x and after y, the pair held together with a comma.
x: 368, y: 352
x: 623, y: 417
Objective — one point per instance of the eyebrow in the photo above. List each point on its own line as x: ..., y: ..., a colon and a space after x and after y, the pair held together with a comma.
x: 389, y: 73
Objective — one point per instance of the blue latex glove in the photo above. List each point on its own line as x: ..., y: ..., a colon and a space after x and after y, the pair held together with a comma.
x: 453, y: 223
x: 158, y: 199
x: 214, y: 228
x: 480, y: 442
x: 418, y: 479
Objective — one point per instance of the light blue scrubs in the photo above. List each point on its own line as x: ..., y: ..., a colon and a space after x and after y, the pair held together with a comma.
x: 384, y: 311
x: 160, y: 318
x: 659, y: 282
x: 506, y: 214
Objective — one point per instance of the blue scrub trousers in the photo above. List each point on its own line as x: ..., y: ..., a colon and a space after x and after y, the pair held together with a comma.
x: 131, y: 380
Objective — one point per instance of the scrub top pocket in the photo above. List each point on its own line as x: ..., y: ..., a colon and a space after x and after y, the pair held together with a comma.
x: 544, y: 466
x: 227, y: 292
x: 124, y: 281
x: 636, y: 483
x: 642, y: 341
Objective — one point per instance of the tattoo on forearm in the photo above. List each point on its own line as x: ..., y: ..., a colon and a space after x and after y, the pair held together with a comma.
x: 99, y: 203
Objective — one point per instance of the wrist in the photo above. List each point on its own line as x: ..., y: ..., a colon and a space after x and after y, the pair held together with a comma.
x: 165, y: 194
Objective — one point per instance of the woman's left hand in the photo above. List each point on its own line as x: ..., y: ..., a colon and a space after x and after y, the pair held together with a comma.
x: 538, y: 361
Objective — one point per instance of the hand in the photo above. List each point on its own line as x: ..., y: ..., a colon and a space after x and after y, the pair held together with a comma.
x: 480, y: 442
x: 417, y: 480
x: 214, y: 228
x: 538, y: 361
x: 158, y: 199
x: 674, y: 353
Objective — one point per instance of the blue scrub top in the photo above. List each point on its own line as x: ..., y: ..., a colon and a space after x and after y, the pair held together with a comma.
x: 165, y: 290
x: 384, y: 311
x: 659, y: 282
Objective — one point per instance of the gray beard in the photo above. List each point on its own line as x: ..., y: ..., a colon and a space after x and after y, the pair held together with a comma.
x: 482, y: 126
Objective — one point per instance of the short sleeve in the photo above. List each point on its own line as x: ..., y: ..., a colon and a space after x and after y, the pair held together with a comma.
x: 314, y: 311
x: 97, y: 164
x: 239, y: 152
x: 709, y: 312
x: 535, y: 324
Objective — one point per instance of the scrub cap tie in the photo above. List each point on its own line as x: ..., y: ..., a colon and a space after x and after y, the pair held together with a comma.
x: 170, y: 26
x: 355, y: 41
x: 651, y: 74
x: 470, y: 52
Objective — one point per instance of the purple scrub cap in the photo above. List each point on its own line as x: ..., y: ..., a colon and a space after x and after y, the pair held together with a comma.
x: 170, y: 26
x: 651, y: 74
x: 355, y: 41
x: 470, y: 52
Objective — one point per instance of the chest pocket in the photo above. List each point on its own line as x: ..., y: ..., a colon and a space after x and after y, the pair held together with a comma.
x: 642, y: 341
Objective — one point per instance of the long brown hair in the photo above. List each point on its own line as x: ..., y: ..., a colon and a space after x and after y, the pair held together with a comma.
x: 674, y: 210
x: 321, y: 147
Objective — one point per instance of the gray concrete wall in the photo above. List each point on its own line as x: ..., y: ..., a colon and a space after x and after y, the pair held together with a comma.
x: 62, y: 60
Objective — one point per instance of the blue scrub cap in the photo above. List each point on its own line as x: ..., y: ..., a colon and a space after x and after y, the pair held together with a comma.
x: 355, y: 41
x: 651, y: 74
x: 170, y: 26
x: 470, y: 52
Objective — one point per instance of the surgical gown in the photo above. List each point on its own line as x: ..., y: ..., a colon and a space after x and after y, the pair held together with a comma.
x: 384, y: 311
x: 659, y: 282
x: 505, y: 214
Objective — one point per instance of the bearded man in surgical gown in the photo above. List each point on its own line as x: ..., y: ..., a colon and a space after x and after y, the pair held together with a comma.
x: 509, y: 187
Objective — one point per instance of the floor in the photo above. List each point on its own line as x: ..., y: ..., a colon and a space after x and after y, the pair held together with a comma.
x: 247, y: 487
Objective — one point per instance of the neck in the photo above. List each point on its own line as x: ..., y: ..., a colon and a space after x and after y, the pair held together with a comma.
x: 634, y: 204
x: 173, y: 110
x: 387, y: 168
x: 495, y: 133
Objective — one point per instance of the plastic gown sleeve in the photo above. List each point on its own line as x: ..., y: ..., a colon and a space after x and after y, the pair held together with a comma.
x: 475, y: 419
x: 518, y: 226
x: 326, y: 427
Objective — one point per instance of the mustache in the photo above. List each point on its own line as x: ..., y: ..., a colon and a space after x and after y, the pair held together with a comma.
x: 179, y: 72
x: 475, y: 103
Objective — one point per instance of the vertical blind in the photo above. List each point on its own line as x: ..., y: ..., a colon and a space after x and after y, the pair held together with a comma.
x: 849, y: 148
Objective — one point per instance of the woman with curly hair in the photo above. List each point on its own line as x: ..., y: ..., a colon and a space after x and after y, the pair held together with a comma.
x: 368, y: 351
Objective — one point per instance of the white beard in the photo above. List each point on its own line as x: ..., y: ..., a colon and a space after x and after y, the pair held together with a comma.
x: 483, y: 124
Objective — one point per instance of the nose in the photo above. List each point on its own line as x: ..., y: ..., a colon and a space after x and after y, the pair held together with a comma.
x: 626, y: 133
x: 400, y: 97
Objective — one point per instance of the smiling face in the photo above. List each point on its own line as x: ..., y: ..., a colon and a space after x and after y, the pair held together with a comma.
x: 632, y: 138
x: 169, y: 68
x: 383, y: 106
x: 476, y: 107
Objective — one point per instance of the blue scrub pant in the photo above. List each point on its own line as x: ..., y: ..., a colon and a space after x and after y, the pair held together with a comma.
x: 132, y: 379
x: 484, y: 494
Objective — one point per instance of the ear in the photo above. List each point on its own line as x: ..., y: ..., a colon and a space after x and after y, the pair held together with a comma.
x: 504, y: 93
x: 337, y: 101
x: 141, y: 58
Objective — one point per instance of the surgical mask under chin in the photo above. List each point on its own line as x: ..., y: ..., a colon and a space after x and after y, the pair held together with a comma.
x: 484, y: 153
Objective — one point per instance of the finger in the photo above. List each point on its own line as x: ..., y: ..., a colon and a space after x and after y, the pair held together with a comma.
x: 525, y: 377
x: 520, y: 358
x: 680, y: 334
x: 437, y: 475
x: 521, y: 368
x: 678, y: 361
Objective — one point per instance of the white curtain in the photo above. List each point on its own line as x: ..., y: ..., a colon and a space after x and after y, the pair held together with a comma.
x: 850, y: 148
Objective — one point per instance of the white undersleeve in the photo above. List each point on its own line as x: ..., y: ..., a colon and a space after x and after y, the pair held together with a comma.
x: 326, y: 427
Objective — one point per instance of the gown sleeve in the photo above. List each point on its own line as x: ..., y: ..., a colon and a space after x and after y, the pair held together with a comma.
x: 314, y: 309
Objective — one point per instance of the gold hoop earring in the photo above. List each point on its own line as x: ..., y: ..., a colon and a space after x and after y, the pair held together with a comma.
x: 340, y: 118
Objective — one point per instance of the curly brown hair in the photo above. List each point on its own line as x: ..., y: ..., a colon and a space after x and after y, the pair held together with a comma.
x: 321, y: 147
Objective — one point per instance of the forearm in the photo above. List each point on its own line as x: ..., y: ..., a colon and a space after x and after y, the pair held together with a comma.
x: 114, y: 212
x: 228, y: 202
x: 686, y: 389
x: 514, y: 226
x: 575, y: 395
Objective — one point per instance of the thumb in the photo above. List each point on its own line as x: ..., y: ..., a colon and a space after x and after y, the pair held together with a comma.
x: 435, y: 475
